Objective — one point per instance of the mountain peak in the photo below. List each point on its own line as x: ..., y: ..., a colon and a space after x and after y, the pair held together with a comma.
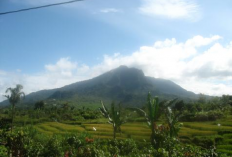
x: 123, y: 67
x: 124, y: 70
x: 124, y: 77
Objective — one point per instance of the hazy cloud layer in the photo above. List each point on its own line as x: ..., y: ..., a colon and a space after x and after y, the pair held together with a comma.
x: 207, y: 71
x: 110, y: 10
x: 173, y: 9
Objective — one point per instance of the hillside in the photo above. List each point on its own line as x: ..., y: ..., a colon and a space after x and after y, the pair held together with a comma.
x: 127, y: 85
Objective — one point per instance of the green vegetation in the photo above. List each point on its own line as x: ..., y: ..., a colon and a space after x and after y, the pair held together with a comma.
x: 126, y: 85
x: 14, y: 98
x: 114, y: 117
x: 152, y: 116
x: 170, y: 128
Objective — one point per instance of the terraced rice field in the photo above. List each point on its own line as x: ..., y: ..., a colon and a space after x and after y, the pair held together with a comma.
x: 137, y: 131
x: 58, y: 128
x: 140, y: 131
x: 220, y: 129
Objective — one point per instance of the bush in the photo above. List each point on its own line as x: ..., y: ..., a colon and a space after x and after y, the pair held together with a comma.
x: 27, y: 142
x: 53, y: 147
x: 205, y: 142
x: 3, y: 151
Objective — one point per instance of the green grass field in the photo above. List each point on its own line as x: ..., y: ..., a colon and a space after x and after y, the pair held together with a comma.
x: 140, y: 131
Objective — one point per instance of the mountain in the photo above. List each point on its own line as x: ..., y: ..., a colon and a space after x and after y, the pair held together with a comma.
x: 127, y: 85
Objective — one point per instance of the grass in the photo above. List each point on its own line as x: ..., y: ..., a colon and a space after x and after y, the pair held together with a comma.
x: 43, y: 131
x: 66, y: 127
x: 57, y: 128
x: 206, y: 126
x: 228, y: 147
x: 185, y: 131
x: 227, y: 136
x: 210, y: 130
x: 227, y: 141
x: 227, y: 123
x: 132, y: 130
x: 137, y: 131
x: 228, y: 152
x: 140, y: 131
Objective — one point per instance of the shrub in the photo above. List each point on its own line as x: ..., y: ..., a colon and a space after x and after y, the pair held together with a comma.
x: 205, y: 142
x: 53, y: 147
x: 3, y: 151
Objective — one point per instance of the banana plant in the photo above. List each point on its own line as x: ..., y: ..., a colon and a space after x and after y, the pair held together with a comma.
x: 152, y: 114
x: 114, y: 117
x: 172, y: 119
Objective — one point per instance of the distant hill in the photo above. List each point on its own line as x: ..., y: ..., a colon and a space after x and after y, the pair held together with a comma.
x: 123, y: 84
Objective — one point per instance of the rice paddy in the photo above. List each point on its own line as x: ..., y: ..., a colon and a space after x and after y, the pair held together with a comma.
x: 140, y: 131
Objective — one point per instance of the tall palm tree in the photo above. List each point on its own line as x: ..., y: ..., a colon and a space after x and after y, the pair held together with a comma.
x: 14, y: 97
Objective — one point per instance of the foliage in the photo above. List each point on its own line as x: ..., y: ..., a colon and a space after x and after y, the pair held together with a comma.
x: 173, y: 118
x: 59, y: 130
x: 14, y: 97
x: 114, y: 117
x: 27, y: 142
x: 151, y: 115
x: 39, y: 105
x: 161, y: 134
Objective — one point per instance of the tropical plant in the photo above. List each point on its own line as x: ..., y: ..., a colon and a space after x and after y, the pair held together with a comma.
x: 154, y: 110
x: 114, y: 117
x: 15, y: 96
x: 172, y: 118
x: 152, y: 114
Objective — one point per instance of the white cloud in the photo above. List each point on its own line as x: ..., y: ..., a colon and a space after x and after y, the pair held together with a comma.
x: 198, y: 41
x: 63, y: 67
x: 110, y: 10
x: 208, y: 71
x: 55, y: 75
x: 173, y: 9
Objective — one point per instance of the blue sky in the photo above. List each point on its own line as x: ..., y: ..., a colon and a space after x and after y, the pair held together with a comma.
x: 186, y: 41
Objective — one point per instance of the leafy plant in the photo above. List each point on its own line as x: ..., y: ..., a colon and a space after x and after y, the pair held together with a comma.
x: 152, y: 114
x: 14, y: 97
x: 114, y: 117
x: 172, y: 119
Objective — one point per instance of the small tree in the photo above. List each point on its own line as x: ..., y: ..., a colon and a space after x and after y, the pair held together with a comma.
x: 39, y: 105
x: 114, y: 117
x: 15, y: 96
x: 172, y: 120
x: 154, y: 110
x: 152, y: 114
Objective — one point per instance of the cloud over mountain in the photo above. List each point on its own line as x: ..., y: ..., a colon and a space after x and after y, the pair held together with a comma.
x: 200, y: 64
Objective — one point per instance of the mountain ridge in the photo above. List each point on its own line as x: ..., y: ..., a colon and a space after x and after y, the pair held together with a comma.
x: 127, y: 85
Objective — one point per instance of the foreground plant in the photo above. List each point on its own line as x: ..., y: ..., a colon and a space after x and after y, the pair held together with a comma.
x: 154, y: 110
x: 172, y: 120
x: 15, y: 96
x: 114, y: 117
x: 152, y: 114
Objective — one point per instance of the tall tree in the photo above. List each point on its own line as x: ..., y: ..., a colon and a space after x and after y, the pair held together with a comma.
x: 14, y: 97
